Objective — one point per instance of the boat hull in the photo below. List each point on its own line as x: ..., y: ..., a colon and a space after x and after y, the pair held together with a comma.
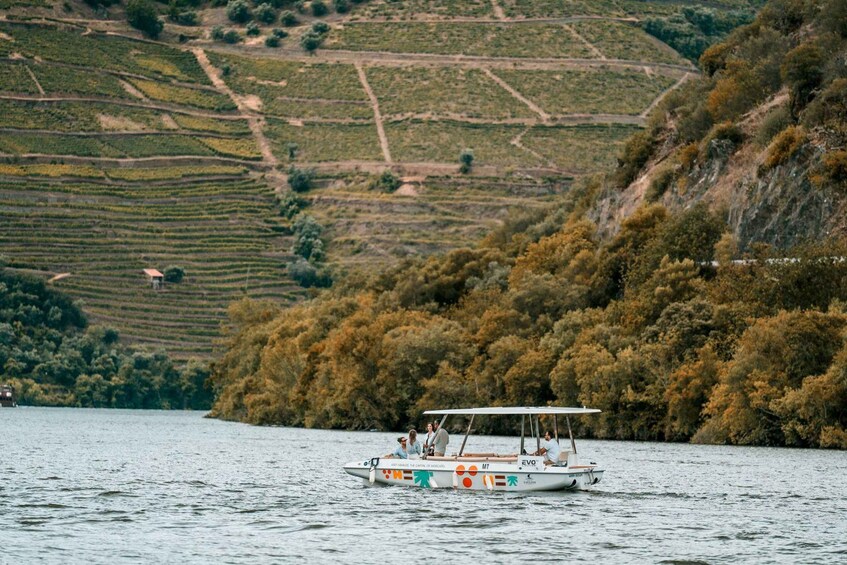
x: 475, y: 475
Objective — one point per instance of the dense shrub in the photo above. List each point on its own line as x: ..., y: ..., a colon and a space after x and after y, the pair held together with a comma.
x: 835, y: 17
x: 465, y: 160
x: 802, y: 72
x: 688, y: 155
x: 143, y: 16
x: 319, y: 8
x: 659, y: 184
x: 238, y: 11
x: 310, y: 41
x: 174, y: 274
x: 300, y: 180
x: 829, y: 109
x: 385, y: 182
x: 776, y: 120
x: 231, y: 36
x: 308, y: 275
x: 320, y: 28
x: 692, y: 30
x: 264, y: 13
x: 182, y: 17
x: 290, y: 205
x: 785, y: 16
x: 307, y: 238
x: 291, y: 149
x: 833, y: 169
x: 713, y: 59
x: 288, y: 18
x: 723, y: 137
x: 637, y: 151
x: 785, y: 146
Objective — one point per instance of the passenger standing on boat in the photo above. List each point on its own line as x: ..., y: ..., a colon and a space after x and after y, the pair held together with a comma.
x: 440, y: 440
x: 413, y: 446
x: 549, y: 449
x: 427, y: 446
x: 400, y: 452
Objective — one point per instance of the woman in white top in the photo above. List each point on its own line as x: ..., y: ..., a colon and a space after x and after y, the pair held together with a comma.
x: 430, y: 437
x: 413, y: 447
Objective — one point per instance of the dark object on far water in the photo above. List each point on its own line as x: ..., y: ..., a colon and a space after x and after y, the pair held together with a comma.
x: 7, y: 397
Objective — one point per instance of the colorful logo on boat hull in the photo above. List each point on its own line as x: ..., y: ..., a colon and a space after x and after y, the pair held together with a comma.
x: 467, y: 482
x: 397, y: 474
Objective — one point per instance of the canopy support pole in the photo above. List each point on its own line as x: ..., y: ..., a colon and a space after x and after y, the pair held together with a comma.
x: 531, y: 427
x: 464, y: 441
x: 537, y: 434
x: 523, y: 422
x: 556, y: 427
x: 570, y: 433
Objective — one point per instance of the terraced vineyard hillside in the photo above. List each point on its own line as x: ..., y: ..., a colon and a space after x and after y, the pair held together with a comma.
x: 123, y: 153
x: 96, y: 234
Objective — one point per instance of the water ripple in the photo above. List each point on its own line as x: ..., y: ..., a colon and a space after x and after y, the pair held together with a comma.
x: 113, y: 486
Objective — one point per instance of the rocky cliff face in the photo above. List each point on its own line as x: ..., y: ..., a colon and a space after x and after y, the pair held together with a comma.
x: 779, y: 207
x: 760, y: 136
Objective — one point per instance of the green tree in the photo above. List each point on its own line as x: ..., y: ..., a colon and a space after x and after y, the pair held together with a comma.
x: 300, y: 180
x: 637, y: 151
x: 288, y: 18
x: 802, y: 72
x: 264, y: 13
x: 291, y: 148
x: 319, y: 8
x: 387, y: 181
x: 774, y: 357
x: 310, y: 41
x: 231, y: 36
x: 143, y: 16
x: 174, y: 274
x: 465, y: 160
x: 238, y: 11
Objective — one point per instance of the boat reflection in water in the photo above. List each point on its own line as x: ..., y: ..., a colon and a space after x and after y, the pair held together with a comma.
x: 515, y: 472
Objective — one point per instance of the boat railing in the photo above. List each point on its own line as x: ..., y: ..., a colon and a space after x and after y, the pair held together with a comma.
x: 475, y: 457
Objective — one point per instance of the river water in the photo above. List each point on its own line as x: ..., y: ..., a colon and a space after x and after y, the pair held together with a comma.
x: 112, y: 486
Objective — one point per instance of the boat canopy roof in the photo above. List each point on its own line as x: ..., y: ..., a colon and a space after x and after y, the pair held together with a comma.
x: 516, y: 410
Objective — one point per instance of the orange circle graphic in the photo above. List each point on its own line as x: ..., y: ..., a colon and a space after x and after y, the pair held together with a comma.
x: 467, y: 482
x: 472, y: 471
x: 460, y: 470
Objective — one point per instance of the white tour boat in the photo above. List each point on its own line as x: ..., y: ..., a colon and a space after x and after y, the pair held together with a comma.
x: 516, y: 472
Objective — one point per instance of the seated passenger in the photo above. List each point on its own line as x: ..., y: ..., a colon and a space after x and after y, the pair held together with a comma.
x: 413, y: 447
x: 400, y: 452
x: 549, y: 449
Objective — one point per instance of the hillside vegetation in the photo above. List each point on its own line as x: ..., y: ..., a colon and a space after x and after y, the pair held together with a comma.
x: 134, y: 135
x: 51, y: 357
x: 671, y: 318
x: 760, y: 136
x: 543, y: 312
